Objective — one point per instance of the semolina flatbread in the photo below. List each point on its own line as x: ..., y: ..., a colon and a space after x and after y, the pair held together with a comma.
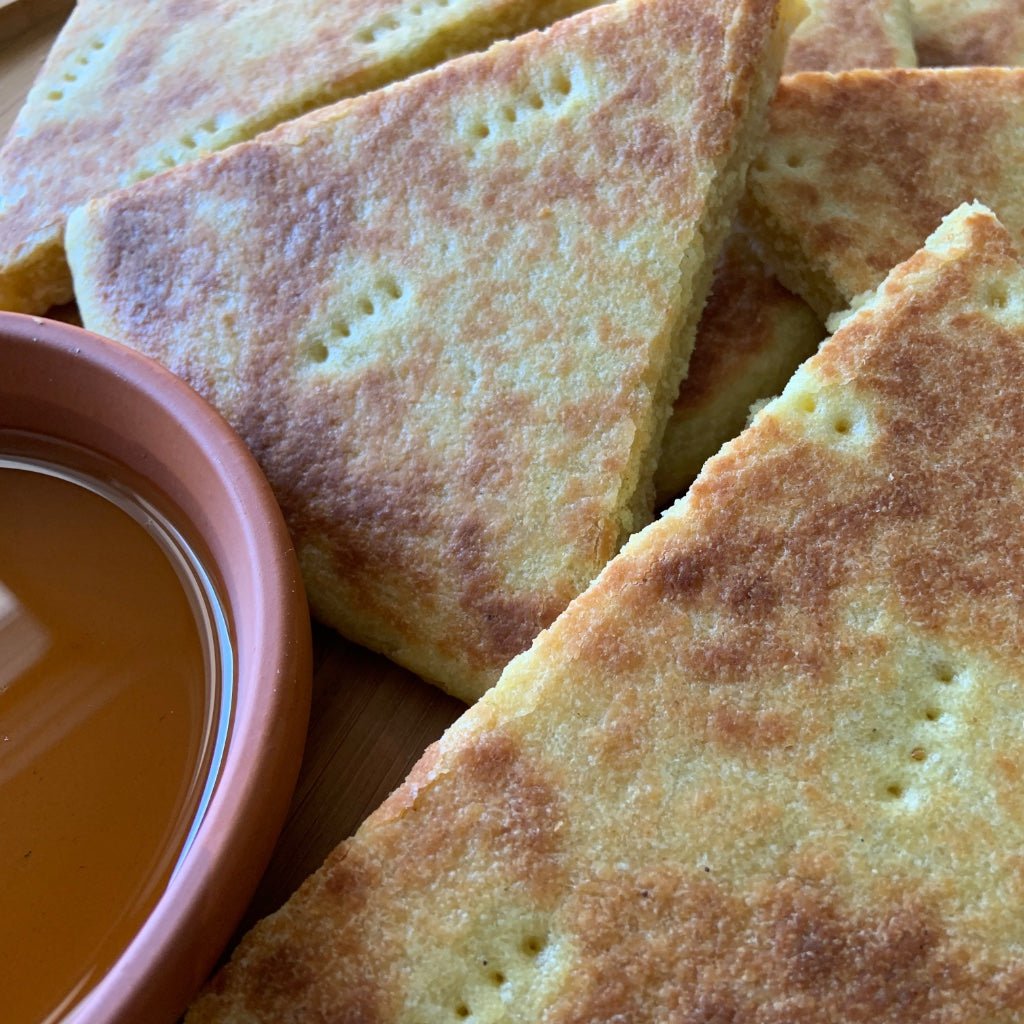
x: 969, y: 32
x: 752, y: 336
x: 841, y: 34
x: 450, y: 317
x: 767, y: 768
x: 129, y: 90
x: 860, y: 167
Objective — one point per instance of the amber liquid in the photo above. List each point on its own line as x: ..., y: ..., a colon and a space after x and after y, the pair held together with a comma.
x: 108, y: 730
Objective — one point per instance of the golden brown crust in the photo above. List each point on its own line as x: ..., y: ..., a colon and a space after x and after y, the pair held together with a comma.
x: 124, y: 96
x: 518, y: 836
x: 969, y: 32
x: 861, y: 166
x: 838, y: 35
x: 787, y: 952
x: 443, y: 315
x: 767, y: 767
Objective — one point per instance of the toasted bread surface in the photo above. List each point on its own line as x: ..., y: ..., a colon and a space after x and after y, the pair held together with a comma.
x: 840, y: 34
x: 767, y: 767
x: 450, y: 317
x: 127, y: 93
x: 752, y: 335
x: 969, y: 32
x: 859, y: 167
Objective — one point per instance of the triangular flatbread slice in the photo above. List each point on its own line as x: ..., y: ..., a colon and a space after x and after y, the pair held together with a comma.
x: 841, y: 34
x: 450, y: 317
x: 966, y: 32
x: 859, y: 168
x: 767, y: 768
x: 129, y: 90
x: 752, y: 336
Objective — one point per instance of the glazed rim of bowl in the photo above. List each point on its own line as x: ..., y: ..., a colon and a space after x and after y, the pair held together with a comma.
x: 69, y: 384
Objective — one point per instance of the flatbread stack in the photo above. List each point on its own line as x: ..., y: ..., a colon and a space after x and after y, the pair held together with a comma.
x: 841, y: 34
x: 860, y: 167
x: 450, y: 317
x: 130, y: 90
x: 767, y: 768
x: 977, y: 32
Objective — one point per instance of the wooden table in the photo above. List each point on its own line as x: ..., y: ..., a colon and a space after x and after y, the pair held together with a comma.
x: 371, y: 720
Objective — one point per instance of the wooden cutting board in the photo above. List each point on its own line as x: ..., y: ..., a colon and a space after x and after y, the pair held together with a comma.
x: 370, y: 720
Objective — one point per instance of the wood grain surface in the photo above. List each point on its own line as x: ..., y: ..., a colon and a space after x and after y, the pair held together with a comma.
x: 370, y: 720
x: 39, y: 18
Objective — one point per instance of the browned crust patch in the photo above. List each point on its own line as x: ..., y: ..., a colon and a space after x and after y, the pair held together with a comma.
x: 657, y: 783
x: 841, y: 34
x: 861, y: 166
x: 788, y: 951
x: 990, y: 32
x: 323, y: 958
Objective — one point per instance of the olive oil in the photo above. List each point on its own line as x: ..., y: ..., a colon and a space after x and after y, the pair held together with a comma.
x: 115, y: 674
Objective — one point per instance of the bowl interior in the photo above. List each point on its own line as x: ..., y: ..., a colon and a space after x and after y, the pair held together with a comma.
x: 64, y: 383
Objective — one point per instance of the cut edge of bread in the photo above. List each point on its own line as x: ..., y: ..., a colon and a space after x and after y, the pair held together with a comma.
x: 696, y: 433
x: 709, y: 237
x: 37, y: 279
x: 783, y: 253
x: 826, y: 41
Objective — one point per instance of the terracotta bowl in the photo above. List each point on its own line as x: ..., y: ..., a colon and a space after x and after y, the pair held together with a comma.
x: 65, y: 383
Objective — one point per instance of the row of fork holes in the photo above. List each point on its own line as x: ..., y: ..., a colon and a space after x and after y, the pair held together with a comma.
x: 388, y: 290
x: 841, y: 424
x: 206, y: 129
x: 943, y: 674
x: 531, y: 947
x: 70, y: 76
x: 389, y: 22
x: 532, y: 102
x: 201, y: 137
x: 190, y: 141
x: 794, y: 160
x: 996, y: 295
